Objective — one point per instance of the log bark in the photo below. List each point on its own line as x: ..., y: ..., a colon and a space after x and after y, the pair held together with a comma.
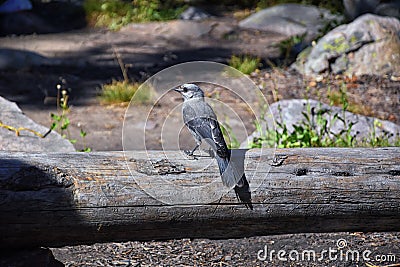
x: 57, y: 199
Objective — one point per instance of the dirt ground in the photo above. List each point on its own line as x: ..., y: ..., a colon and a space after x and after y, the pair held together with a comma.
x: 34, y: 89
x: 372, y: 96
x: 379, y: 249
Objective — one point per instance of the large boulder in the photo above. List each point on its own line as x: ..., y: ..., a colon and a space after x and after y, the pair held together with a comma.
x: 369, y: 45
x: 11, y: 115
x: 355, y: 8
x: 14, y: 59
x: 290, y: 112
x: 194, y: 13
x: 291, y: 20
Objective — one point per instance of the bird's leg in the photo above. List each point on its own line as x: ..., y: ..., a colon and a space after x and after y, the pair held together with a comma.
x: 211, y: 153
x: 219, y: 201
x: 190, y: 153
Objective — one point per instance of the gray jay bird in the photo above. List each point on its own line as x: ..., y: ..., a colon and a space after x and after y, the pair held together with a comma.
x: 202, y: 123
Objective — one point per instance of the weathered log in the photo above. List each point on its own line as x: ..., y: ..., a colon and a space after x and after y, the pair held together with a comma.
x: 56, y: 199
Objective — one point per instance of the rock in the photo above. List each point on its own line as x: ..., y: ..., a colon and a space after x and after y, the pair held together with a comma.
x: 14, y: 59
x: 391, y: 9
x: 11, y: 114
x: 29, y: 257
x: 23, y: 23
x: 291, y: 20
x: 176, y: 29
x: 369, y: 45
x: 289, y: 112
x: 194, y: 13
x: 355, y: 8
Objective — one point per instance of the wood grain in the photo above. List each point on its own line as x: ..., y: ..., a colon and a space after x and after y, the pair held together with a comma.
x: 57, y: 199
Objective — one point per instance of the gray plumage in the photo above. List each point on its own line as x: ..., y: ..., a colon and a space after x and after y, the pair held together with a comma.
x: 202, y: 122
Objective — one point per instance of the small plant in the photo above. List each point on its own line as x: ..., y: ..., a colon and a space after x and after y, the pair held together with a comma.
x: 118, y: 91
x: 60, y: 121
x: 335, y: 99
x: 83, y: 136
x: 344, y: 138
x: 315, y: 131
x: 266, y: 137
x: 123, y: 91
x: 245, y: 64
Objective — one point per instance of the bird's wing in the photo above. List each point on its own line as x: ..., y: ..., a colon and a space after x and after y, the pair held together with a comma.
x: 208, y: 128
x: 218, y: 138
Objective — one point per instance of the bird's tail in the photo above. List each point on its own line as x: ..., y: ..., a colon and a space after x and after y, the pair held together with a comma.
x: 231, y: 176
x: 242, y: 190
x: 229, y: 173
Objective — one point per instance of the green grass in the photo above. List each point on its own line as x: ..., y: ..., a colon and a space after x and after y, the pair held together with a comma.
x: 244, y: 63
x: 123, y: 91
x: 115, y: 14
x: 314, y: 131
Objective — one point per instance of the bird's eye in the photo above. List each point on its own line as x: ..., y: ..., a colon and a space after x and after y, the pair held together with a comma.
x: 184, y: 89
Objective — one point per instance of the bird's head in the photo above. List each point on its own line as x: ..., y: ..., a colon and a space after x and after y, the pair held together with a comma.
x: 189, y: 91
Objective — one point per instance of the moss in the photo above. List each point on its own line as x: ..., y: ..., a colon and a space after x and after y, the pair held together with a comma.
x: 339, y: 45
x: 353, y: 39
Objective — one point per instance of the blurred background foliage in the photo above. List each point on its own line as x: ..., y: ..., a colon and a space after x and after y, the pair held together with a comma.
x: 115, y: 14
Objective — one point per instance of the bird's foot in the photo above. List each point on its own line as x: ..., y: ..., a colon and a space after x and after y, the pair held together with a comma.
x: 190, y: 154
x: 211, y: 153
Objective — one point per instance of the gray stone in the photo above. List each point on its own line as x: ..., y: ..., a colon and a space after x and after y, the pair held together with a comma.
x: 11, y: 114
x: 355, y: 8
x: 19, y: 59
x: 391, y: 9
x: 290, y: 112
x: 194, y: 13
x: 23, y: 23
x: 369, y: 45
x: 29, y: 257
x: 290, y: 20
x: 176, y: 29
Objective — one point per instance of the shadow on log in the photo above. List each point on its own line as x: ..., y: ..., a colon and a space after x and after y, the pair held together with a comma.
x: 57, y: 199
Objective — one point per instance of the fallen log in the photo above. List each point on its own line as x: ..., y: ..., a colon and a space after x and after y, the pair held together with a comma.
x: 57, y: 199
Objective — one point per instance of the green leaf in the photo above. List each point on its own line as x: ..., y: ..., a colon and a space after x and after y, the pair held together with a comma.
x: 65, y: 124
x: 55, y: 117
x: 53, y: 126
x: 86, y: 149
x: 83, y: 133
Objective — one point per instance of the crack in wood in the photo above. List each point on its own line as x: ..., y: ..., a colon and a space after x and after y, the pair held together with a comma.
x: 301, y: 171
x: 394, y: 172
x: 279, y: 159
x: 343, y: 173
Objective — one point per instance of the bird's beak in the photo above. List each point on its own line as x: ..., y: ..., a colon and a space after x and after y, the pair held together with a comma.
x: 177, y: 89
